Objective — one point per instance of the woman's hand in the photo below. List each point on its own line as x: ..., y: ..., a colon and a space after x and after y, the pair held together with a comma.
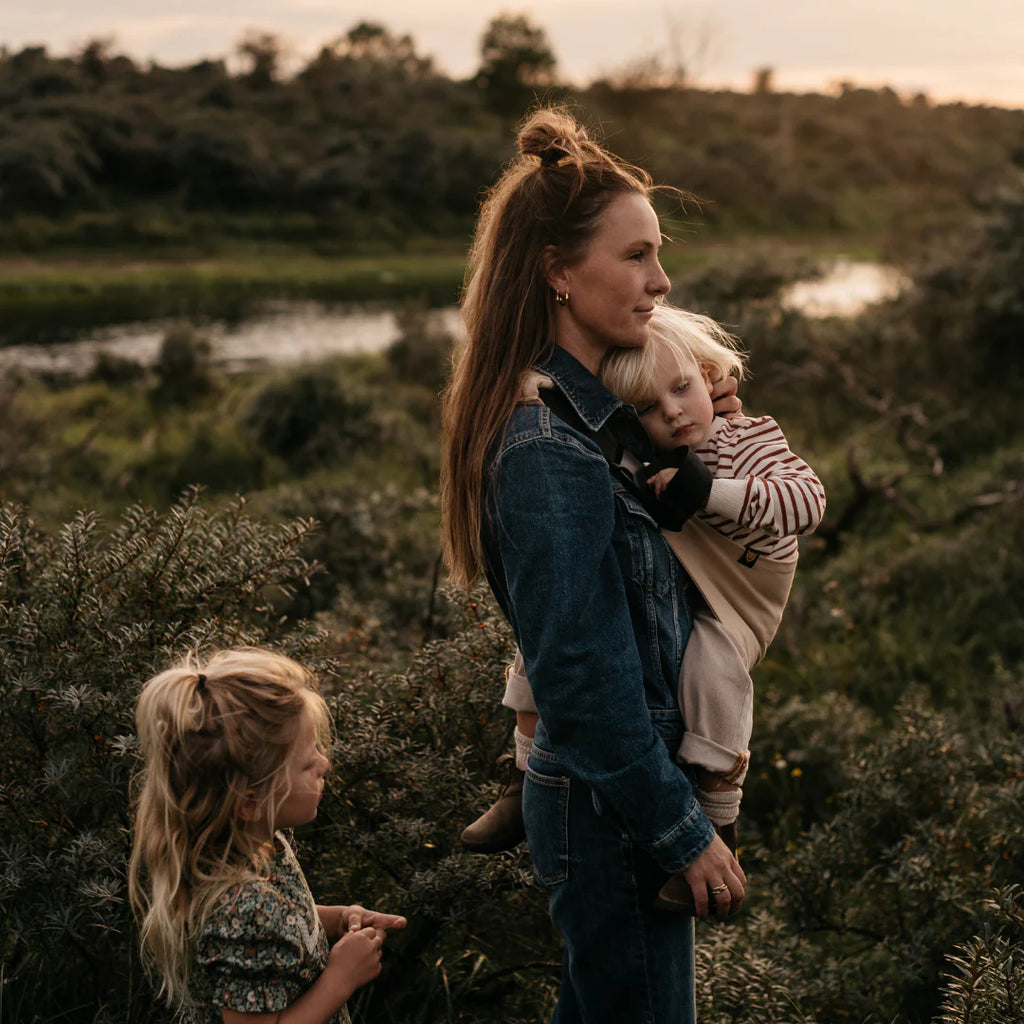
x: 714, y: 868
x: 724, y: 399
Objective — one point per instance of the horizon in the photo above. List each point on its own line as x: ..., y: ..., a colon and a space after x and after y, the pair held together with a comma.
x: 929, y: 47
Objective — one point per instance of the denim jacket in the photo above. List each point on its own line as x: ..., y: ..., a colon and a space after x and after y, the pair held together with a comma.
x: 599, y: 607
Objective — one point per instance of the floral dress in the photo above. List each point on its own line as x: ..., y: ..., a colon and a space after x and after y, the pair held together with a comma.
x: 261, y: 947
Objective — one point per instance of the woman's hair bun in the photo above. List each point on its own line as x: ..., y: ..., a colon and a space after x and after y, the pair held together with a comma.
x: 551, y: 135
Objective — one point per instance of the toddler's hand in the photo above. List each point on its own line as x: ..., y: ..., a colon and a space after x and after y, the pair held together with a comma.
x: 660, y: 480
x: 355, y: 958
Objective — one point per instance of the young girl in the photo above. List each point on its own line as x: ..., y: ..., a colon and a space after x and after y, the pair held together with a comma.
x: 234, y: 755
x: 755, y: 496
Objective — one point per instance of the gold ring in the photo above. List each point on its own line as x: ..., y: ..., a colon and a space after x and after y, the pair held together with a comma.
x: 720, y: 888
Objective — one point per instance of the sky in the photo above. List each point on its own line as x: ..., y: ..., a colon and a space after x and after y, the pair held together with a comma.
x: 949, y: 49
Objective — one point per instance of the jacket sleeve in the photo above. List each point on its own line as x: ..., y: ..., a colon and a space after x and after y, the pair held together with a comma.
x: 761, y: 484
x: 555, y: 516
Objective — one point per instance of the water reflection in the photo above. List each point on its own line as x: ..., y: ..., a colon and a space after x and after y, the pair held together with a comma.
x: 278, y: 334
x: 846, y: 289
x: 291, y: 332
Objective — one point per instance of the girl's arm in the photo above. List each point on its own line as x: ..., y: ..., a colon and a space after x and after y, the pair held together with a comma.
x: 353, y: 962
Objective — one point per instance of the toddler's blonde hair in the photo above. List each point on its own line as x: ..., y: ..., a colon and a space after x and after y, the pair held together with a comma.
x: 631, y: 373
x: 213, y: 737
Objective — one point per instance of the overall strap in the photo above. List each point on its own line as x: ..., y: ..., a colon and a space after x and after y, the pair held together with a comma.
x: 629, y: 469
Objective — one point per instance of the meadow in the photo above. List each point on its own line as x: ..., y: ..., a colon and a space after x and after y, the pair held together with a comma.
x: 881, y: 830
x: 147, y: 510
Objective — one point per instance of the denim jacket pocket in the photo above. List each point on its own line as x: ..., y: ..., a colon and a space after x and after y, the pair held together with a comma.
x: 546, y: 813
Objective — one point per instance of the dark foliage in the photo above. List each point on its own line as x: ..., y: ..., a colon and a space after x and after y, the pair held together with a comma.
x: 370, y: 141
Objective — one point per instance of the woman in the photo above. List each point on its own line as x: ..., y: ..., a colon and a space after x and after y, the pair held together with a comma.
x: 564, y: 267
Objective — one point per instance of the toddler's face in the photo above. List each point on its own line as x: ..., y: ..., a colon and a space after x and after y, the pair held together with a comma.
x: 679, y: 412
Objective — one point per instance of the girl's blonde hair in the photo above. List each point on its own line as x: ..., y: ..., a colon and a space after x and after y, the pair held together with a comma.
x: 632, y: 373
x: 552, y: 194
x: 213, y: 737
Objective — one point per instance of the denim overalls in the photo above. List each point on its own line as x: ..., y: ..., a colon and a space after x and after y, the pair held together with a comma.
x: 599, y: 608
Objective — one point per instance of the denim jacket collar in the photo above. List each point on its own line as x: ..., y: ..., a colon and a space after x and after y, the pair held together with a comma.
x: 589, y: 397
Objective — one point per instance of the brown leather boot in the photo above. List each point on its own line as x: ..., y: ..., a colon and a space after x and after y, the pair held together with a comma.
x: 676, y: 895
x: 500, y: 827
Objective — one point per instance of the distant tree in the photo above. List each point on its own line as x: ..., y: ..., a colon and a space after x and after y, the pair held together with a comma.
x: 222, y: 158
x: 372, y: 43
x: 515, y: 60
x: 764, y: 80
x: 43, y: 165
x: 684, y: 51
x: 94, y: 57
x: 262, y: 51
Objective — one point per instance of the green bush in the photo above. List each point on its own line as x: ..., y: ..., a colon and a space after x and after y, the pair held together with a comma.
x: 85, y: 617
x: 422, y: 352
x: 379, y: 557
x: 925, y: 824
x: 182, y: 367
x: 312, y: 417
x: 986, y: 979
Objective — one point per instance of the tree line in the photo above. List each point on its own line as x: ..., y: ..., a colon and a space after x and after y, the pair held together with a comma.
x: 369, y: 140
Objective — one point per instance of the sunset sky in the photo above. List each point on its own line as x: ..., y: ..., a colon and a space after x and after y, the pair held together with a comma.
x: 947, y: 48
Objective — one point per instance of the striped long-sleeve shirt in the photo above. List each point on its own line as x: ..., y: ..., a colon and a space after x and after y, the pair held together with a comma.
x: 762, y: 495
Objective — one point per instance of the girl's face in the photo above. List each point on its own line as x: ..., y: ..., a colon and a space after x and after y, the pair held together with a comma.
x: 679, y: 411
x: 303, y: 778
x: 613, y: 288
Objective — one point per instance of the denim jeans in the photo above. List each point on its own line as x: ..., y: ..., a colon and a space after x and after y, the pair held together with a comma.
x: 625, y: 962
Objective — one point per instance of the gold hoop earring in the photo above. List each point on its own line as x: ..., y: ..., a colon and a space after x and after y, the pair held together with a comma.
x: 562, y: 298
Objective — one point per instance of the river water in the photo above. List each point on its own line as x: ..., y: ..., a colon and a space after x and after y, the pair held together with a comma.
x: 290, y: 333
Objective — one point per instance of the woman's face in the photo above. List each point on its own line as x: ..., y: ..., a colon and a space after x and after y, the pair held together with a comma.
x: 613, y: 287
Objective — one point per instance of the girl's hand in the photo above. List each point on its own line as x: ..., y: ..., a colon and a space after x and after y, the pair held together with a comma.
x: 724, y: 399
x: 339, y: 920
x: 354, y: 960
x: 355, y: 917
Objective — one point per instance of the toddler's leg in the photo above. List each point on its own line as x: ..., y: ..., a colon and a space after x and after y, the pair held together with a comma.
x: 526, y: 729
x: 716, y: 698
x: 501, y: 826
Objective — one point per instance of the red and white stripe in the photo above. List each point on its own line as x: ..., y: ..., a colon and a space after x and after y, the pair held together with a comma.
x: 763, y: 496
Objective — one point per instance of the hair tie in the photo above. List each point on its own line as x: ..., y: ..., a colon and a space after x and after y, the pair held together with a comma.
x: 200, y: 683
x: 551, y: 156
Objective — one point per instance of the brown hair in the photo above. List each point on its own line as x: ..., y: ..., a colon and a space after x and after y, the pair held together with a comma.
x: 551, y: 194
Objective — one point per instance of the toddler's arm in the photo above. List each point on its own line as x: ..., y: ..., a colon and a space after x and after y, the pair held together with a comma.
x: 661, y: 480
x: 760, y: 483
